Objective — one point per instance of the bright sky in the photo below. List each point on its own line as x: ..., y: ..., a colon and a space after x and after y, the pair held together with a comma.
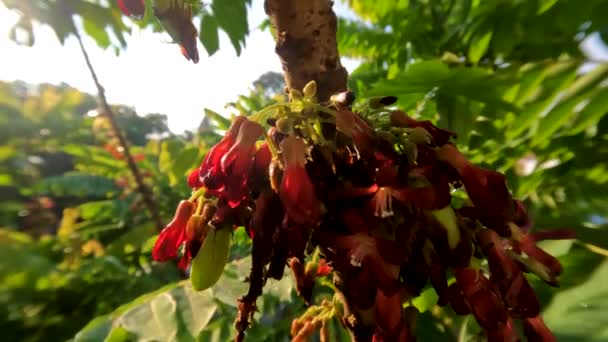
x: 153, y: 76
x: 150, y: 75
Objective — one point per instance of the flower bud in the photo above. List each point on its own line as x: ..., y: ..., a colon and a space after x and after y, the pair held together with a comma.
x: 208, y: 264
x: 310, y: 89
x: 174, y: 234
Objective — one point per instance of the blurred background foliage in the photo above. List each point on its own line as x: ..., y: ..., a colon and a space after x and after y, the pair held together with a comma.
x: 509, y: 76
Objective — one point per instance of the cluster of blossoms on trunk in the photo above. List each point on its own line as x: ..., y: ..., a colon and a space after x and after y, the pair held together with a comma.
x: 368, y: 194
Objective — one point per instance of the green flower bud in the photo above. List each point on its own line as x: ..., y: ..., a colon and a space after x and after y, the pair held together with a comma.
x: 209, y: 262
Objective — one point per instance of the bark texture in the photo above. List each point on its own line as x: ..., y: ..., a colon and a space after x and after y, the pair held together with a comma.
x: 306, y: 44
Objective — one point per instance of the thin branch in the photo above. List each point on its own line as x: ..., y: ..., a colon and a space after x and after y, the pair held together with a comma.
x: 147, y: 195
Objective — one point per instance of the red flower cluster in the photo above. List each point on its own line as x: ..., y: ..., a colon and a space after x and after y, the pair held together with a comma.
x: 377, y: 206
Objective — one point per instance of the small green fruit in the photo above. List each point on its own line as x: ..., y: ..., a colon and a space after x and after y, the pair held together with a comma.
x: 209, y: 262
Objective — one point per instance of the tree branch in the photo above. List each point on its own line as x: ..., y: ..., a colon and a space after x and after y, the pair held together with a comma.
x: 306, y: 44
x: 147, y: 195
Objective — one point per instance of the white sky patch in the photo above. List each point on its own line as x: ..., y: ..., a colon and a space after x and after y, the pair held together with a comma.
x: 150, y: 75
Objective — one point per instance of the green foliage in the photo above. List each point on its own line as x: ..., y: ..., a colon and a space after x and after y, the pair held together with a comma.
x: 103, y: 21
x: 508, y: 77
x: 178, y: 312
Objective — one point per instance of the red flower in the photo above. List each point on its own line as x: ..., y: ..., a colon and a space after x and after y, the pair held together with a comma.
x: 210, y: 168
x: 488, y: 190
x: 505, y: 334
x: 297, y: 190
x: 132, y: 8
x: 362, y: 250
x: 174, y: 234
x: 194, y: 179
x: 440, y: 136
x: 390, y: 325
x: 482, y: 298
x: 262, y: 159
x: 551, y: 267
x: 354, y: 127
x: 237, y: 162
x: 517, y: 293
x: 177, y: 21
x: 536, y: 330
x: 323, y: 269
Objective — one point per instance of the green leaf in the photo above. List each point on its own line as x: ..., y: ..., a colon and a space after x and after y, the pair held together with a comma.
x: 220, y: 121
x: 97, y: 32
x: 479, y: 45
x: 209, y: 34
x: 545, y: 5
x: 578, y: 92
x: 592, y: 113
x: 186, y: 160
x: 595, y: 236
x: 579, y: 313
x: 96, y: 330
x: 231, y: 16
x: 427, y: 300
x: 420, y: 77
x: 532, y: 111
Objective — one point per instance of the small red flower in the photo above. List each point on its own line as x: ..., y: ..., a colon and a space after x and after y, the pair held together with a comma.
x: 174, y: 234
x: 262, y: 159
x: 209, y: 171
x: 494, y: 205
x: 238, y: 160
x: 485, y: 303
x: 440, y: 136
x: 389, y: 316
x: 323, y: 268
x: 194, y: 179
x: 536, y: 330
x: 297, y: 190
x: 527, y: 244
x: 518, y: 295
x: 132, y: 8
x: 354, y: 127
x: 177, y: 21
x: 363, y: 250
x: 505, y: 334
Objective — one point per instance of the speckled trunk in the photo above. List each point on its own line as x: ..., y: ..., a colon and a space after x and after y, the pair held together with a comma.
x: 306, y: 44
x: 307, y: 47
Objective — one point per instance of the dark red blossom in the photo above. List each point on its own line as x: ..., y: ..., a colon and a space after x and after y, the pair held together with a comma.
x: 507, y: 333
x: 194, y: 179
x: 494, y: 205
x: 209, y: 171
x: 390, y: 323
x: 176, y: 18
x: 132, y: 8
x: 174, y: 234
x: 483, y: 299
x: 237, y: 162
x: 297, y: 191
x: 376, y: 205
x: 551, y: 267
x: 440, y: 136
x: 515, y: 289
x: 354, y: 127
x: 536, y: 330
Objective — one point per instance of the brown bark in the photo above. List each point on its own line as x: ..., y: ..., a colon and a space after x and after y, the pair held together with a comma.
x: 306, y: 44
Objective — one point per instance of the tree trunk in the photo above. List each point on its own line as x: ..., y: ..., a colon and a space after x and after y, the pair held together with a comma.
x: 306, y: 44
